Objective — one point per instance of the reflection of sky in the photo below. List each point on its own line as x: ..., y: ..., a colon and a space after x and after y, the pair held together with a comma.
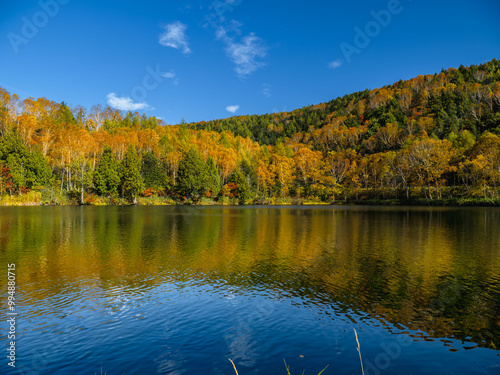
x: 185, y: 328
x: 294, y: 288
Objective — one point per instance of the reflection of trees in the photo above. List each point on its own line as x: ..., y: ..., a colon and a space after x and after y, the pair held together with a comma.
x: 434, y: 270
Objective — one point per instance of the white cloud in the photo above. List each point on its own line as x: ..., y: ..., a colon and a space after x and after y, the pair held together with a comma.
x: 175, y: 37
x: 220, y: 10
x: 171, y: 75
x: 125, y: 103
x: 245, y: 53
x: 232, y: 108
x: 266, y: 91
x: 335, y: 64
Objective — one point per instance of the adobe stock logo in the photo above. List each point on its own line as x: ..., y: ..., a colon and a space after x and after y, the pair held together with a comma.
x: 31, y: 26
x: 364, y: 36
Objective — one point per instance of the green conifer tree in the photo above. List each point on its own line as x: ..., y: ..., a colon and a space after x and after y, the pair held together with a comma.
x: 242, y: 191
x: 151, y: 171
x: 131, y: 180
x: 106, y: 177
x: 213, y: 178
x: 192, y: 175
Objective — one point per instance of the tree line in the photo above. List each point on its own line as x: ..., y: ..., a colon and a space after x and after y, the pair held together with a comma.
x: 434, y: 136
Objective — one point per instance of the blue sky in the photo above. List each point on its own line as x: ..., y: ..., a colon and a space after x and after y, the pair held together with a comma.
x: 211, y: 59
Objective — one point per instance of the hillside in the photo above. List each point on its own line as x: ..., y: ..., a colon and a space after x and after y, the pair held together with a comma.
x: 455, y: 99
x: 434, y: 136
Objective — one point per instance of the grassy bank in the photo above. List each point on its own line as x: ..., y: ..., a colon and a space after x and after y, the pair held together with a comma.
x: 445, y: 202
x: 38, y: 198
x: 56, y: 197
x: 33, y: 198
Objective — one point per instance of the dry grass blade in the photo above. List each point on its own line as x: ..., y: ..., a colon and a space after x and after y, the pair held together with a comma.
x: 323, y: 370
x: 287, y: 367
x: 359, y: 351
x: 101, y: 371
x: 233, y: 366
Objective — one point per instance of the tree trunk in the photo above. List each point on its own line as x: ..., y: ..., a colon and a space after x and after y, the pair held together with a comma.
x: 82, y: 188
x: 62, y: 181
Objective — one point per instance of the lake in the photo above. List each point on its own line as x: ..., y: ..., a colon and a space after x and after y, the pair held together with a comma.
x: 183, y: 289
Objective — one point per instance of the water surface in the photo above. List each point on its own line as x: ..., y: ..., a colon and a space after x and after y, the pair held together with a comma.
x: 179, y: 290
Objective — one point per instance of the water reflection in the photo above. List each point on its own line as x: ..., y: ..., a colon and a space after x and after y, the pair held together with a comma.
x: 432, y: 271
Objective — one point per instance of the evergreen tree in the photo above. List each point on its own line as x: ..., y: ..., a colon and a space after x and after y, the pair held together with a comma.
x: 16, y: 170
x: 129, y: 120
x: 38, y: 171
x: 28, y: 168
x: 131, y: 180
x: 242, y: 189
x: 151, y: 171
x: 249, y: 172
x: 65, y: 114
x: 192, y: 175
x: 106, y: 177
x: 213, y: 179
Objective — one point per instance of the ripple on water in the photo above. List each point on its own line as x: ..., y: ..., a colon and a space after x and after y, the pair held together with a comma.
x: 163, y: 290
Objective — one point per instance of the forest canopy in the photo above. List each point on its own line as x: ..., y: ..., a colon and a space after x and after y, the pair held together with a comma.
x: 433, y: 136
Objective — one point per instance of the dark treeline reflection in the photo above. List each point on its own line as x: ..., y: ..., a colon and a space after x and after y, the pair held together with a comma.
x: 435, y: 270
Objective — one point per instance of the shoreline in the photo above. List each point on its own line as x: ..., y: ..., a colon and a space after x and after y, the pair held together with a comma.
x: 417, y: 202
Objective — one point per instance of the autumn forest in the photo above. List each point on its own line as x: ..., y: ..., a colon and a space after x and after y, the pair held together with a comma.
x: 433, y: 139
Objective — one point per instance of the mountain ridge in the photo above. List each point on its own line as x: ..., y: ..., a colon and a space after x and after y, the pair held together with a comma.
x: 454, y: 76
